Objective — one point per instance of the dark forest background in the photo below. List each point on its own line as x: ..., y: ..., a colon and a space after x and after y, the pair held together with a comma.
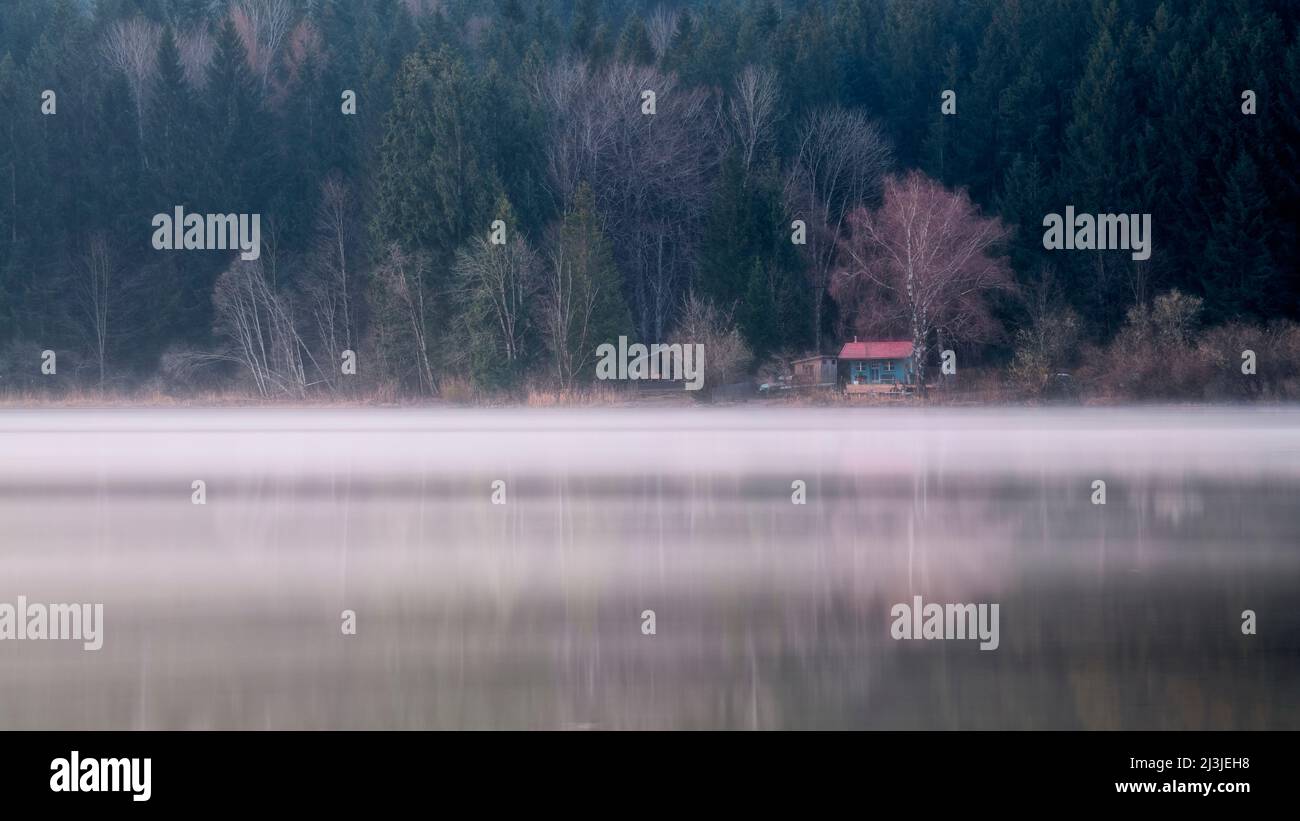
x: 672, y: 226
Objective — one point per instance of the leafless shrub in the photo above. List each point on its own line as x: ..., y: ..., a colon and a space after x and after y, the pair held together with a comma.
x: 726, y: 356
x: 1162, y: 353
x: 1048, y: 343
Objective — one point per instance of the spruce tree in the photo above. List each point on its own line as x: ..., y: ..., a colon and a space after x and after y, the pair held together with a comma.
x: 1238, y: 267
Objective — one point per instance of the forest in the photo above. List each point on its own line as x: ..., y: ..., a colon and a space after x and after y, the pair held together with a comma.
x: 465, y: 198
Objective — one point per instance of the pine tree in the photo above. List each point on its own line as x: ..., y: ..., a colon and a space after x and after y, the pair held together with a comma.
x: 10, y: 151
x: 583, y: 306
x: 240, y: 158
x: 586, y: 20
x: 434, y: 186
x: 175, y: 128
x: 1024, y: 200
x: 634, y: 44
x: 1239, y: 271
x: 1096, y: 135
x: 727, y: 258
x: 857, y: 26
x: 682, y: 49
x: 759, y: 314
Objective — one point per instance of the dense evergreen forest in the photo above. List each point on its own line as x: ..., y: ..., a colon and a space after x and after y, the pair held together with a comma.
x: 380, y: 141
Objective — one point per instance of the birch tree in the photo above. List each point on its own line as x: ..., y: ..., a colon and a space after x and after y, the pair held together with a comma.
x: 331, y: 285
x: 926, y: 260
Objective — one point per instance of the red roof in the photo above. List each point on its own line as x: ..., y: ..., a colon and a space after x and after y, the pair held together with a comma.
x: 877, y: 349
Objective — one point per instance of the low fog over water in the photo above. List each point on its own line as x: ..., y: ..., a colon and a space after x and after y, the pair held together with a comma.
x: 768, y: 614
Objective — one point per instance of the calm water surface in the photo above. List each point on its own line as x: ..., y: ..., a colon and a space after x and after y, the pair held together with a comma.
x: 768, y: 614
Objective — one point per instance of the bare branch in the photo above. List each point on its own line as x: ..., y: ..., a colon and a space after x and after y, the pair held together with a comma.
x: 839, y: 165
x: 753, y: 111
x: 651, y: 173
x: 661, y: 26
x: 131, y: 47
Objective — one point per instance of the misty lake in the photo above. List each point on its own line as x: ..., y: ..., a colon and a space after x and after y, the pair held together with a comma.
x: 767, y: 613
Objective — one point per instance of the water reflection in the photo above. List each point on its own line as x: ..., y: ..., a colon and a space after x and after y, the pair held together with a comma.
x: 768, y: 614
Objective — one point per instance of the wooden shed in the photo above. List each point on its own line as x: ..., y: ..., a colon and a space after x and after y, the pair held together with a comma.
x: 815, y: 371
x: 878, y: 362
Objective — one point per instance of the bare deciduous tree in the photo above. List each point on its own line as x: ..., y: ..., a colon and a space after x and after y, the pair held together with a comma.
x: 330, y: 284
x: 926, y: 260
x: 303, y: 43
x: 498, y: 283
x: 661, y: 27
x: 401, y: 312
x: 566, y: 315
x: 258, y: 325
x: 753, y: 111
x: 840, y: 161
x: 97, y: 283
x: 575, y: 136
x: 650, y: 172
x: 570, y: 296
x: 263, y: 26
x: 131, y: 47
x: 196, y: 48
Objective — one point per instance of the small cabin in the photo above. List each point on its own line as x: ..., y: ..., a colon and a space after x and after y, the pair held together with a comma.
x: 878, y: 362
x: 815, y: 371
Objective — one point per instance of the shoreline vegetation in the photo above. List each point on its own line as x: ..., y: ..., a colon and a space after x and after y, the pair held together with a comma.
x: 543, y: 402
x: 979, y: 392
x: 1161, y: 354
